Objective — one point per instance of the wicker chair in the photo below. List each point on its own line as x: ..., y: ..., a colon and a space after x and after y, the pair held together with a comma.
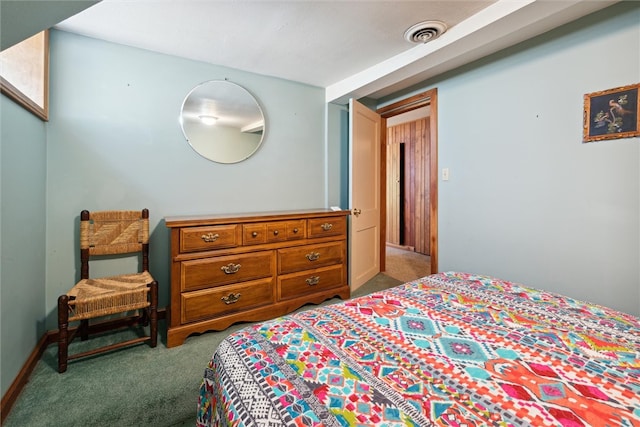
x: 133, y: 296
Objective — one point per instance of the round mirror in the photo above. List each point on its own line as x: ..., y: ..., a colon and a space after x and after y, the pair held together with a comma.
x: 222, y: 121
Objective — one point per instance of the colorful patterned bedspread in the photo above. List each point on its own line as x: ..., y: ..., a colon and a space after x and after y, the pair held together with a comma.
x: 450, y: 349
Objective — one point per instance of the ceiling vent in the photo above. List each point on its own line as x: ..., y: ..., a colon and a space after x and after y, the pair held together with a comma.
x: 425, y: 31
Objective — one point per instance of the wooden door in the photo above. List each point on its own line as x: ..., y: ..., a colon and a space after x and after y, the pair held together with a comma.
x: 364, y: 194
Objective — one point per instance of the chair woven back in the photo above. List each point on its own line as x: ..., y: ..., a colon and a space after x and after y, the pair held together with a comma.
x: 114, y: 232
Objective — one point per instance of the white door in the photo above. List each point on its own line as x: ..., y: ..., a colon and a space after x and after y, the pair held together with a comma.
x: 364, y: 194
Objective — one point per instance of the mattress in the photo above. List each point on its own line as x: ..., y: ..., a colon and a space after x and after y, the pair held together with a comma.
x: 451, y: 349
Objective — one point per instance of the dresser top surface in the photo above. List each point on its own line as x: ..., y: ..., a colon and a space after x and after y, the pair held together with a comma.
x: 196, y: 220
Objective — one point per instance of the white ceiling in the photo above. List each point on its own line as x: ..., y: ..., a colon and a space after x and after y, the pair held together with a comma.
x: 352, y: 48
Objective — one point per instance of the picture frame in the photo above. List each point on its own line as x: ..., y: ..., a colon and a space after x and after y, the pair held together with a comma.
x: 612, y: 114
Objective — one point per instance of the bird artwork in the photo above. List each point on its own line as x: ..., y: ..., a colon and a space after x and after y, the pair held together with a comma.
x: 608, y: 119
x: 617, y: 109
x: 614, y: 117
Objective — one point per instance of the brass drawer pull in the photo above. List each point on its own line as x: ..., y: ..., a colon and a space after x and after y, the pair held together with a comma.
x: 295, y: 231
x: 313, y: 256
x: 231, y: 298
x: 313, y: 280
x: 276, y: 232
x: 230, y: 268
x: 210, y: 237
x: 326, y: 226
x: 254, y: 234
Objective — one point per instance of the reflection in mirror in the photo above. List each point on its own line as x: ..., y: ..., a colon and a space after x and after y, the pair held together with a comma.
x: 222, y: 121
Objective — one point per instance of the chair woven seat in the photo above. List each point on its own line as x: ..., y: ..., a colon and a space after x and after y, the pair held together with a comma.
x: 124, y: 300
x: 90, y: 298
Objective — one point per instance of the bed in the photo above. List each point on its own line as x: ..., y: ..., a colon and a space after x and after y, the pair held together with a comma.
x: 450, y: 349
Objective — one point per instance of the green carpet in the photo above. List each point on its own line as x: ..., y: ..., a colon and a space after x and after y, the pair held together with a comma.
x: 135, y: 386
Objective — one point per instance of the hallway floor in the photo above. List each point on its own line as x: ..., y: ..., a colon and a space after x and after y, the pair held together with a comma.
x: 406, y: 265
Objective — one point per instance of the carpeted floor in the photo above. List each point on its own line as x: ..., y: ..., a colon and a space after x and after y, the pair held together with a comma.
x: 136, y: 386
x: 406, y: 265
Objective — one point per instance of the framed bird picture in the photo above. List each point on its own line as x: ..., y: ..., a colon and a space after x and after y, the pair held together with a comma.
x: 612, y: 114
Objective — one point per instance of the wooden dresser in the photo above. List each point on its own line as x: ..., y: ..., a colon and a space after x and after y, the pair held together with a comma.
x: 250, y: 267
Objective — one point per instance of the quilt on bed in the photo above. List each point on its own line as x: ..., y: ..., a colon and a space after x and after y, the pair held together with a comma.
x: 450, y: 349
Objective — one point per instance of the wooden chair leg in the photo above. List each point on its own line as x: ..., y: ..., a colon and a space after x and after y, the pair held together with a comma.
x: 153, y: 309
x: 63, y: 332
x: 144, y: 316
x: 84, y: 329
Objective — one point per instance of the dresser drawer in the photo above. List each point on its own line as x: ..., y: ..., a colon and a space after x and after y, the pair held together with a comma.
x: 193, y: 239
x: 296, y: 229
x: 254, y: 234
x: 308, y: 257
x: 208, y: 303
x: 216, y: 271
x: 306, y: 282
x: 324, y: 227
x: 272, y: 232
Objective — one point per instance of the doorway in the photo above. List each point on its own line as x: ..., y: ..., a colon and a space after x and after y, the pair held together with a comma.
x: 424, y: 232
x: 408, y: 181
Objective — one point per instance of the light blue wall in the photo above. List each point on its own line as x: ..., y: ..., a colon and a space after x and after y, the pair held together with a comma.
x: 22, y: 236
x: 338, y: 155
x: 114, y: 142
x: 527, y: 200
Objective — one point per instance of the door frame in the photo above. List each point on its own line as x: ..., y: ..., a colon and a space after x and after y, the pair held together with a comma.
x: 429, y: 97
